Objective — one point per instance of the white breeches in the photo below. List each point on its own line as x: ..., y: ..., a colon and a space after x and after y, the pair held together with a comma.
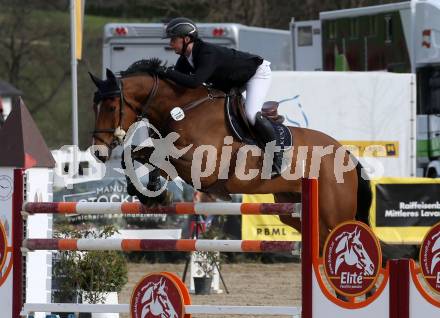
x: 256, y: 90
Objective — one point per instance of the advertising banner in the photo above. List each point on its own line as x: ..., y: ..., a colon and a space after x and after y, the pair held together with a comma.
x: 404, y: 209
x: 256, y: 227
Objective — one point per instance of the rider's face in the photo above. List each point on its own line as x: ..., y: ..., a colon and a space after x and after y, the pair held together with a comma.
x: 177, y: 44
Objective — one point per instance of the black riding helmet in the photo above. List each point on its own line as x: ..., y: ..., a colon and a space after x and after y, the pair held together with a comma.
x: 181, y: 27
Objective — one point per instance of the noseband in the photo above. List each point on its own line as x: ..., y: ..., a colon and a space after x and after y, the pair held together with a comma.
x: 118, y: 132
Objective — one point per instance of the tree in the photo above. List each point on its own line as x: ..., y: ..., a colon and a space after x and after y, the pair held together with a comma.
x: 32, y: 56
x: 88, y: 274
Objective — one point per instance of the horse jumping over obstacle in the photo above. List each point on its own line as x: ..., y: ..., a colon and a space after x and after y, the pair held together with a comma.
x: 401, y: 292
x: 140, y: 93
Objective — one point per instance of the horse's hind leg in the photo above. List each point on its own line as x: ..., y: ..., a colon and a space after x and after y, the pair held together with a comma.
x: 295, y: 222
x: 337, y: 204
x: 287, y: 197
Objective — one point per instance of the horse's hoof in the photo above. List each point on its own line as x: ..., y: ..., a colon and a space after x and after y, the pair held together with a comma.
x: 165, y: 198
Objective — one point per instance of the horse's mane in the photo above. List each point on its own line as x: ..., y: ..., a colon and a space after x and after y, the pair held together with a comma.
x: 150, y: 66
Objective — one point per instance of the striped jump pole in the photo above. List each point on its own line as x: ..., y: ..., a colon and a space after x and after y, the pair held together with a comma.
x: 211, y: 208
x: 158, y: 245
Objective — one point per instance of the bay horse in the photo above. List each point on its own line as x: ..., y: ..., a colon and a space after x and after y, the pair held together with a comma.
x: 140, y: 92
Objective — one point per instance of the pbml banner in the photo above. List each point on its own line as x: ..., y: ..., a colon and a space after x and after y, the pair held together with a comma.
x: 257, y: 227
x: 404, y: 209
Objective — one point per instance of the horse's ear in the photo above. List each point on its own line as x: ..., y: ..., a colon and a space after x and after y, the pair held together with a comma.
x: 96, y: 80
x: 110, y: 74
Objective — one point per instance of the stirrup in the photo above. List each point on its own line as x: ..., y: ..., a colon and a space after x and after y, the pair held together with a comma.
x: 277, y: 162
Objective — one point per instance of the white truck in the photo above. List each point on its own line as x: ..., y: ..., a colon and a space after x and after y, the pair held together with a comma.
x: 373, y: 111
x: 129, y: 42
x: 398, y: 37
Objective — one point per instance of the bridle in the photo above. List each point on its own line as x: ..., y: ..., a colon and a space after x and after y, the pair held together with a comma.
x: 118, y: 132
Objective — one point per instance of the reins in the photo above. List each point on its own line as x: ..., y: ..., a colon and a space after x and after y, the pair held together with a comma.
x: 118, y: 132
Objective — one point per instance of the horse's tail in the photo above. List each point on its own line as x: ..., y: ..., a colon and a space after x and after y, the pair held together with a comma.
x: 364, y: 196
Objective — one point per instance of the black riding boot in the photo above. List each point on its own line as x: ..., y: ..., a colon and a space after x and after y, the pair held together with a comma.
x: 266, y: 133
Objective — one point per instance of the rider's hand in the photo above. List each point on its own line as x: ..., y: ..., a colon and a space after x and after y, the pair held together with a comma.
x: 163, y: 71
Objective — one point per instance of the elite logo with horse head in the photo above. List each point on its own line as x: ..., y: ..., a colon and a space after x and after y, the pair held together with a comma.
x: 352, y: 258
x: 157, y: 295
x: 430, y: 258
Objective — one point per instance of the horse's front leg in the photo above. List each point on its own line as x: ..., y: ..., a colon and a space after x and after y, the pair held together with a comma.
x: 153, y: 185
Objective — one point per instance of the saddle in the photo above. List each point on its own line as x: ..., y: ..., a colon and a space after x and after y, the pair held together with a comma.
x: 268, y: 127
x: 241, y: 128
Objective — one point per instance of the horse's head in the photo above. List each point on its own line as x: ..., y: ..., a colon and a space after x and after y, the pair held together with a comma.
x: 118, y: 103
x: 108, y: 114
x: 352, y: 252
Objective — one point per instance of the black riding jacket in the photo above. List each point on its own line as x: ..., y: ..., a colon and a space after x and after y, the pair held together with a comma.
x: 222, y: 67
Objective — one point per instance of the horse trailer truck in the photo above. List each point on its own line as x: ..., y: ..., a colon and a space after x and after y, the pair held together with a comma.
x: 399, y: 37
x: 129, y: 42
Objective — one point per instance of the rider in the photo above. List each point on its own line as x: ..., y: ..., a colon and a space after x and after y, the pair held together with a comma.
x: 225, y: 69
